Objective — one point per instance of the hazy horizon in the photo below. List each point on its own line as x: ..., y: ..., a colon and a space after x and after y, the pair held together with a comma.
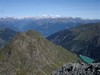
x: 86, y: 9
x: 41, y: 16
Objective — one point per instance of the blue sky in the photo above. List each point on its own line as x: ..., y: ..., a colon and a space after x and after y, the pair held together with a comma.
x: 70, y: 8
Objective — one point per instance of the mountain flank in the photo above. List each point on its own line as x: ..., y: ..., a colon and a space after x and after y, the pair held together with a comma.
x: 84, y: 39
x: 6, y: 35
x: 31, y: 54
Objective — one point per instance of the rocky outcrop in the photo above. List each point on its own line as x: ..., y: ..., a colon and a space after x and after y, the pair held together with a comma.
x: 78, y: 69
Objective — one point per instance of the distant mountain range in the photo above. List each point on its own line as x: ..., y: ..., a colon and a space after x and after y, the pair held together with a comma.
x: 84, y: 39
x: 31, y: 54
x: 45, y: 25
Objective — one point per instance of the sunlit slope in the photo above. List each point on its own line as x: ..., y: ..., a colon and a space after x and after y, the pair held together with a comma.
x: 31, y: 54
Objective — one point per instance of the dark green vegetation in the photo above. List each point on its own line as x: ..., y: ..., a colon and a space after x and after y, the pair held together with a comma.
x: 31, y: 54
x: 84, y: 39
x: 6, y: 35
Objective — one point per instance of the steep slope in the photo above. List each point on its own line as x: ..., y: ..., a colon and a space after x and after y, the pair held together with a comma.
x: 84, y: 39
x: 6, y: 36
x: 31, y: 54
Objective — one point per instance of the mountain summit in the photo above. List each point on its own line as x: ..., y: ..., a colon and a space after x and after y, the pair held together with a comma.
x: 31, y: 54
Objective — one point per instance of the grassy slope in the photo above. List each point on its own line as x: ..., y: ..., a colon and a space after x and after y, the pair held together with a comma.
x: 31, y: 54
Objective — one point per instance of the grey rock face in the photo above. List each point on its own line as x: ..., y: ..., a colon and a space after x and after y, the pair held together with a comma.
x: 78, y: 69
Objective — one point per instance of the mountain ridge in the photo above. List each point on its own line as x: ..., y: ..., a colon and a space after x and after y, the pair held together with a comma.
x: 29, y: 53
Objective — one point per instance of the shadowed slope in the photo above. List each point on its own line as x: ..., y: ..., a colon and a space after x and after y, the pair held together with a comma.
x: 84, y: 39
x: 6, y: 35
